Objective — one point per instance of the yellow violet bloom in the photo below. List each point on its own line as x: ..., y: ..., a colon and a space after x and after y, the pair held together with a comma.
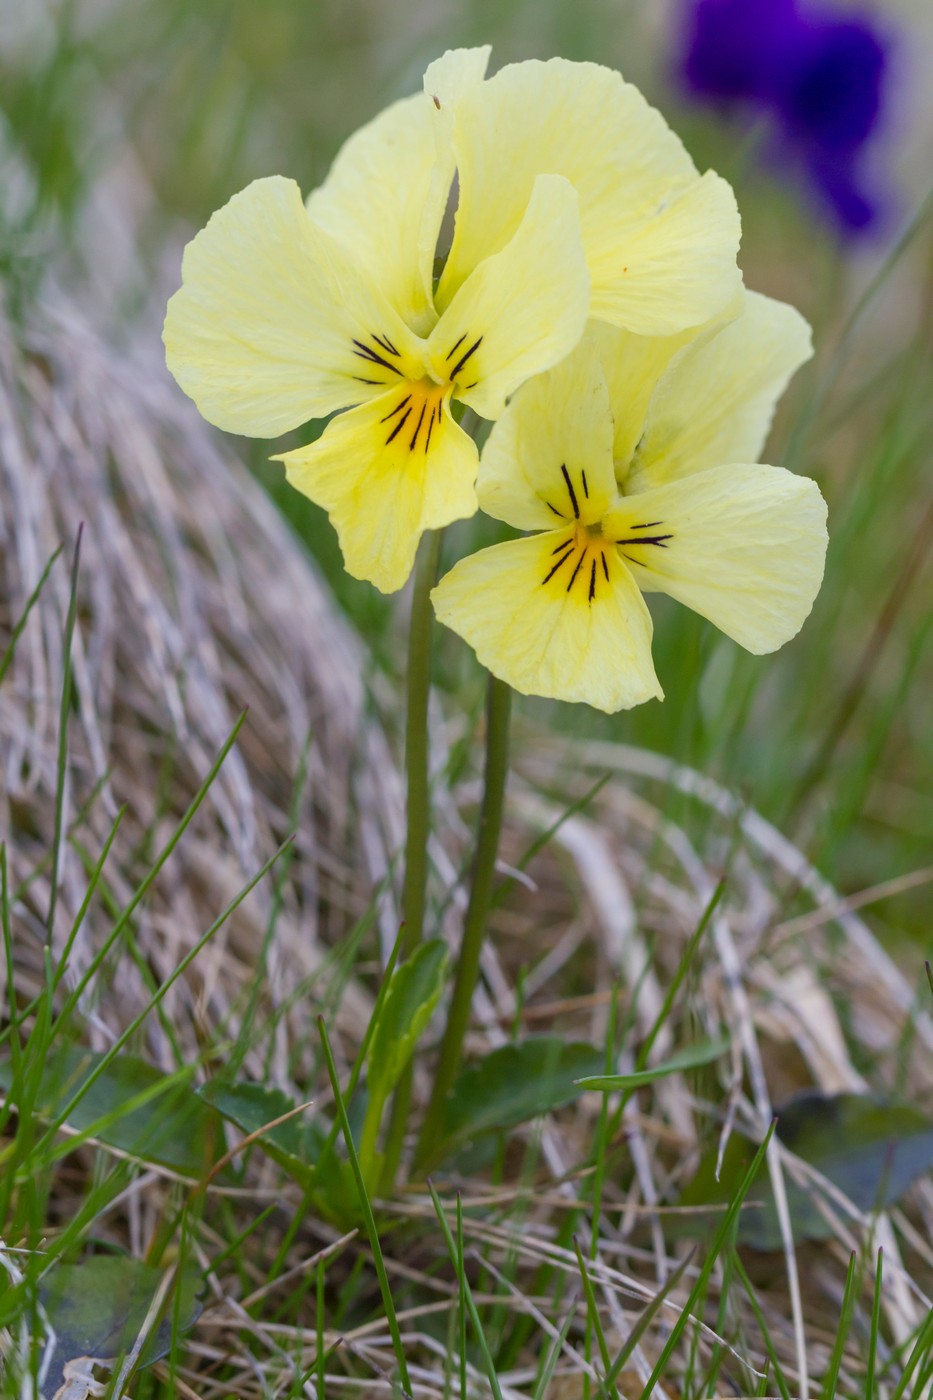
x: 636, y: 464
x: 290, y: 311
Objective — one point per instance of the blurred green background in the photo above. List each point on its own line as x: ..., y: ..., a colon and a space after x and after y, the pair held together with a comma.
x: 124, y: 123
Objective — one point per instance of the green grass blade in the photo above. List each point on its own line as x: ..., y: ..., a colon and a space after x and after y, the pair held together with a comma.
x: 873, y: 1334
x: 366, y: 1209
x: 723, y: 1232
x: 6, y: 660
x: 845, y: 1318
x: 62, y: 763
x: 592, y: 1313
x: 160, y: 993
x: 643, y: 1321
x: 467, y: 1294
x: 779, y: 1377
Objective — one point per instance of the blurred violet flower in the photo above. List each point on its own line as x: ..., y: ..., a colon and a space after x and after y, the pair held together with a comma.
x: 818, y: 76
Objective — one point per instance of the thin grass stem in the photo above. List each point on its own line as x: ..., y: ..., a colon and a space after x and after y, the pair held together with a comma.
x: 366, y: 1210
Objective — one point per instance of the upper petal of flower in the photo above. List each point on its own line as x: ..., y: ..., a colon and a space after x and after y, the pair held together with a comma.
x: 522, y: 310
x: 661, y: 243
x: 743, y: 546
x: 588, y: 641
x: 716, y: 400
x: 549, y: 457
x: 385, y: 196
x: 274, y: 323
x: 385, y: 472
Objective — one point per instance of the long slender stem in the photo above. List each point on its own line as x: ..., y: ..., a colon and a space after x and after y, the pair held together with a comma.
x: 418, y: 812
x: 498, y: 705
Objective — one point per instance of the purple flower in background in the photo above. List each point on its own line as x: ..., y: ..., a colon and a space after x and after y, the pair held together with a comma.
x: 818, y: 76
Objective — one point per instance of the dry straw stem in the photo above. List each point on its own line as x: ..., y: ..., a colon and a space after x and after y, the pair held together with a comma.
x: 195, y: 600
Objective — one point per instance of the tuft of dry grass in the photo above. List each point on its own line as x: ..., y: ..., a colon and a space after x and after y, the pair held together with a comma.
x: 194, y: 601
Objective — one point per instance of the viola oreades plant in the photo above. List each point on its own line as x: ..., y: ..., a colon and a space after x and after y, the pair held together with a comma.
x: 588, y: 304
x: 634, y: 462
x: 574, y: 199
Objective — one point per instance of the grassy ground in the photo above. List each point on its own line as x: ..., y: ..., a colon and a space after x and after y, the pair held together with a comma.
x: 160, y: 939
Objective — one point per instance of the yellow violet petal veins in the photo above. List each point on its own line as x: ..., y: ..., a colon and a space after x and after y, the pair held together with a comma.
x: 716, y: 400
x: 743, y: 545
x: 385, y: 472
x: 548, y: 459
x: 522, y: 310
x: 383, y: 202
x: 274, y: 324
x: 575, y: 630
x: 661, y: 243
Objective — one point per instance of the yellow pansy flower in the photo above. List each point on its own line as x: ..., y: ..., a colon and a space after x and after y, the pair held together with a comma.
x: 288, y: 312
x: 635, y: 463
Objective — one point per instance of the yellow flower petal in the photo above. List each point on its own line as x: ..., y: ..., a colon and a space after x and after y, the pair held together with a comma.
x: 549, y: 457
x: 742, y: 545
x: 716, y: 401
x: 661, y: 243
x: 267, y: 328
x: 673, y: 267
x: 449, y: 78
x: 385, y: 472
x: 383, y: 202
x: 522, y: 310
x: 632, y: 366
x: 591, y: 642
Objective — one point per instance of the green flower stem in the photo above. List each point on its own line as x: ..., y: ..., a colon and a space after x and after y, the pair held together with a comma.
x: 418, y: 811
x: 498, y: 705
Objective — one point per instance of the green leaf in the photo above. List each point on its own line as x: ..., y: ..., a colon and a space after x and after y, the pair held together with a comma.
x: 298, y: 1146
x: 515, y: 1083
x: 703, y: 1052
x: 172, y: 1127
x: 295, y: 1144
x: 97, y: 1309
x: 871, y: 1148
x: 414, y: 991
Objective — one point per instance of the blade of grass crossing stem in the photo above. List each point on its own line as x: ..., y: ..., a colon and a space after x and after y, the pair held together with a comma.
x: 6, y: 660
x: 367, y: 1210
x: 842, y: 1331
x: 467, y: 1293
x: 359, y: 930
x: 160, y: 993
x: 62, y: 761
x: 553, y: 1356
x: 92, y: 884
x: 538, y: 844
x: 641, y: 1059
x: 922, y: 1350
x: 592, y: 1317
x: 779, y: 1377
x: 145, y: 884
x: 461, y: 1295
x: 873, y: 1334
x: 257, y: 981
x: 644, y: 1319
x: 715, y: 1361
x: 15, y: 1047
x: 722, y: 1234
x: 602, y: 1133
